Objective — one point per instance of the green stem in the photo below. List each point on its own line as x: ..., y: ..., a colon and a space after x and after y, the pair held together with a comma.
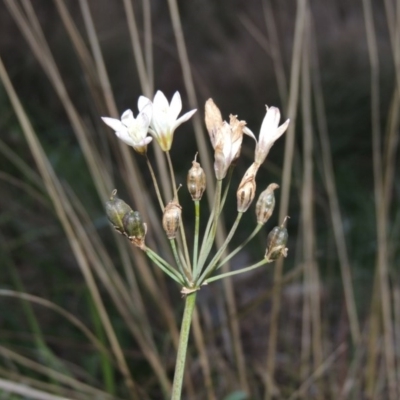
x: 211, y: 229
x: 240, y: 247
x: 164, y: 266
x: 239, y: 271
x: 178, y: 261
x: 229, y: 180
x: 153, y: 177
x: 181, y: 227
x: 211, y: 266
x: 196, y: 235
x: 183, y: 344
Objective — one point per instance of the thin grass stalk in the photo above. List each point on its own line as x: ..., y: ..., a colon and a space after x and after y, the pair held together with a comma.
x: 51, y: 373
x: 391, y: 146
x: 31, y: 175
x: 148, y: 44
x: 334, y: 207
x: 307, y: 203
x: 45, y: 352
x: 50, y: 180
x: 393, y: 22
x: 107, y: 369
x: 374, y: 330
x: 306, y: 338
x: 22, y: 390
x: 146, y: 89
x: 202, y: 144
x: 275, y: 51
x: 137, y: 48
x: 61, y: 311
x: 318, y: 372
x: 46, y: 387
x: 381, y: 216
x: 286, y: 179
x: 396, y: 306
x: 202, y: 350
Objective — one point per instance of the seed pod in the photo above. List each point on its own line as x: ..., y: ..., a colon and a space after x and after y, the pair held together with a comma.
x: 266, y: 204
x: 247, y: 189
x: 276, y: 242
x: 134, y: 226
x: 196, y: 181
x: 116, y: 209
x: 171, y: 219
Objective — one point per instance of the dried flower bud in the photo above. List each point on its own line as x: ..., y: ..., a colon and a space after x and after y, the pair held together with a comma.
x: 266, y: 204
x: 247, y: 189
x: 171, y: 219
x: 276, y: 242
x: 196, y: 181
x: 134, y: 227
x: 116, y: 209
x: 213, y: 119
x: 237, y: 128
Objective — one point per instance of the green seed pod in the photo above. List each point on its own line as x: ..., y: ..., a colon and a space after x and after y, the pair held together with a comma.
x: 171, y: 219
x: 276, y: 242
x: 135, y: 228
x: 196, y: 181
x: 116, y: 209
x: 133, y: 224
x: 266, y: 204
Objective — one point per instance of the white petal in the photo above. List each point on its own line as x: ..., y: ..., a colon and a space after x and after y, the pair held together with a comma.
x: 183, y: 118
x: 113, y: 123
x: 128, y: 119
x: 175, y: 107
x: 147, y: 110
x: 125, y: 137
x: 282, y: 128
x: 145, y: 141
x: 248, y: 132
x: 143, y: 121
x: 142, y: 102
x: 160, y: 101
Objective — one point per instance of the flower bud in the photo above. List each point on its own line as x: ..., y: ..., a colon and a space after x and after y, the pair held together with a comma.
x: 266, y: 204
x: 171, y: 219
x: 116, y: 209
x: 196, y: 181
x: 135, y: 228
x: 247, y: 189
x: 276, y: 242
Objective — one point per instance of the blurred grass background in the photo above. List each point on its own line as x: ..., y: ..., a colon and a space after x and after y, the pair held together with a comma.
x: 330, y: 329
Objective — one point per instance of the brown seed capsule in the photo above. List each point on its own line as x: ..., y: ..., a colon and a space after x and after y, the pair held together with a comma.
x: 196, y: 181
x: 171, y: 219
x: 247, y: 189
x: 116, y: 209
x: 276, y: 242
x: 134, y: 226
x: 266, y: 204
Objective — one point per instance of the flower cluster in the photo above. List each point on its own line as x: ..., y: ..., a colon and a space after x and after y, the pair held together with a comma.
x: 160, y: 119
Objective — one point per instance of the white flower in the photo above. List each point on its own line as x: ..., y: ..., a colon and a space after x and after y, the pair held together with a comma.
x: 133, y: 131
x: 165, y: 117
x: 269, y: 133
